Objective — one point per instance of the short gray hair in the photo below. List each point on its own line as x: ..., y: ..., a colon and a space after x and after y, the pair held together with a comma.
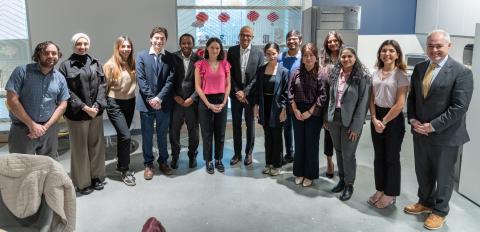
x: 445, y: 34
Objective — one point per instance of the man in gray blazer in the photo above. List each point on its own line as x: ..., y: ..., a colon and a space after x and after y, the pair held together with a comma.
x: 441, y: 90
x: 185, y: 107
x: 245, y: 60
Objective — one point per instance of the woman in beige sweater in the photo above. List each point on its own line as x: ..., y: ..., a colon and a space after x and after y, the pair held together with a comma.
x: 120, y: 74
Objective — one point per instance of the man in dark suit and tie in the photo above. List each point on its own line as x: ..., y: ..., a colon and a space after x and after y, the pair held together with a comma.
x: 245, y: 60
x: 185, y: 106
x: 155, y: 74
x: 441, y: 90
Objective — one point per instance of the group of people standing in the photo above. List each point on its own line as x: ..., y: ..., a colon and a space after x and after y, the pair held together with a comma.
x: 305, y: 88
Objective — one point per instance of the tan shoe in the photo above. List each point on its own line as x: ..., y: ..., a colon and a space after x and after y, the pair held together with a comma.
x: 416, y: 208
x: 165, y: 169
x: 434, y: 222
x: 148, y: 173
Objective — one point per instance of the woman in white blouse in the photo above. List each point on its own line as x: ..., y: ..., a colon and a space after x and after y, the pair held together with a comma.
x: 389, y: 90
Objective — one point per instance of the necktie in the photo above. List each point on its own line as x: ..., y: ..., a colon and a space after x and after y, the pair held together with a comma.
x: 158, y: 65
x: 427, y: 79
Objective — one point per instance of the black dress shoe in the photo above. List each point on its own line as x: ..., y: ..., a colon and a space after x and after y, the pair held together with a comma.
x: 288, y: 158
x: 235, y: 159
x: 85, y: 191
x: 174, y: 163
x: 248, y: 160
x: 219, y: 166
x: 339, y: 187
x: 192, y: 163
x: 97, y: 184
x: 209, y: 167
x: 347, y: 193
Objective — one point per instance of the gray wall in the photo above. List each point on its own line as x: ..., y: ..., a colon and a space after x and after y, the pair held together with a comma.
x: 381, y: 17
x: 102, y: 20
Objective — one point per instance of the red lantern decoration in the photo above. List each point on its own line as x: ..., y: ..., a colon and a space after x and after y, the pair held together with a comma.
x: 253, y: 16
x: 202, y: 17
x: 224, y: 17
x: 272, y: 17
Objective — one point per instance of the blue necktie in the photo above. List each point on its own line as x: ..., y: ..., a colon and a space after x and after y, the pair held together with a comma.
x: 158, y: 65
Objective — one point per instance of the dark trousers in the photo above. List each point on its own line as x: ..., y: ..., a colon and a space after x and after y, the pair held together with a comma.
x: 287, y: 132
x: 434, y: 166
x: 238, y: 109
x: 344, y: 148
x: 387, y: 146
x: 273, y: 136
x: 212, y: 126
x: 189, y: 116
x: 120, y: 112
x: 307, y: 136
x: 327, y: 144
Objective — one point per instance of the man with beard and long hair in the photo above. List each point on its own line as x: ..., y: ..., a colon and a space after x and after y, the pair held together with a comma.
x: 37, y: 97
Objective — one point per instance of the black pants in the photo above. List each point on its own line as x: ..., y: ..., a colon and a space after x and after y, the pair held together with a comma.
x: 120, y: 113
x: 306, y: 137
x: 327, y: 144
x: 189, y: 115
x: 434, y: 166
x: 238, y: 109
x: 273, y: 137
x: 387, y: 146
x: 212, y: 126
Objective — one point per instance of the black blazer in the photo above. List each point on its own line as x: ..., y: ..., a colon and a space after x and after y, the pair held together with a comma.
x: 255, y: 60
x: 184, y: 86
x: 446, y: 104
x: 84, y: 89
x: 280, y: 95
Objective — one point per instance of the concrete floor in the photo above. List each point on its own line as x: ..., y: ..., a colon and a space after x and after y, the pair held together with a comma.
x: 243, y: 199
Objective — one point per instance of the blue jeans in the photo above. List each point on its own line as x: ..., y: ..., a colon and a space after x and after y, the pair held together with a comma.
x: 161, y: 120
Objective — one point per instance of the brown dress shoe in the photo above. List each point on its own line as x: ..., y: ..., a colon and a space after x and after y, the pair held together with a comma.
x: 416, y: 208
x: 165, y: 169
x: 434, y: 222
x: 148, y: 173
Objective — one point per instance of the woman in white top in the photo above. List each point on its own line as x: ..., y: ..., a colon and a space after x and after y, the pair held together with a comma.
x: 389, y: 90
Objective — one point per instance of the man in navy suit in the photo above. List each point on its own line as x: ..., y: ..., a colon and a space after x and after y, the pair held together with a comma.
x: 155, y: 75
x: 441, y: 90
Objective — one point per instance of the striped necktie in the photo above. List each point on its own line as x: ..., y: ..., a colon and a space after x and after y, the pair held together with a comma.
x: 427, y: 79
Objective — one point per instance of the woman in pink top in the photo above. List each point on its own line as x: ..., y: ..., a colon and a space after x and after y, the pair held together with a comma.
x: 212, y: 83
x: 389, y: 90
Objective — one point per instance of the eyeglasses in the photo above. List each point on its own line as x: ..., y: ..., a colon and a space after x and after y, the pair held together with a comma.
x: 246, y: 36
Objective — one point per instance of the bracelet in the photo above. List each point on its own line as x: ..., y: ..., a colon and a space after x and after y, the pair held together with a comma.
x: 384, y: 123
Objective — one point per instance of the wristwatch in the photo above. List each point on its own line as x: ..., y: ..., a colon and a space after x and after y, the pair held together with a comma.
x: 384, y: 123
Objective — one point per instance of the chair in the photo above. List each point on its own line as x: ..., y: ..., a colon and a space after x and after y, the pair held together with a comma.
x: 40, y: 221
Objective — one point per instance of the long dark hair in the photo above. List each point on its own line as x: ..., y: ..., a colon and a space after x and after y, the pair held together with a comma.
x: 399, y: 63
x: 313, y: 49
x: 211, y: 40
x: 326, y: 52
x: 358, y: 70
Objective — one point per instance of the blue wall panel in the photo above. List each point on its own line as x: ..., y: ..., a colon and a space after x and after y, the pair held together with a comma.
x: 381, y: 17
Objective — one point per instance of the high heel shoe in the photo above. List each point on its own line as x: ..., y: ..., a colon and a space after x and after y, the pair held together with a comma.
x: 382, y: 205
x: 374, y: 198
x: 307, y: 182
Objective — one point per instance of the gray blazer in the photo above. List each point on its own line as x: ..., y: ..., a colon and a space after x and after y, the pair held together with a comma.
x: 355, y: 99
x: 446, y: 104
x: 255, y: 60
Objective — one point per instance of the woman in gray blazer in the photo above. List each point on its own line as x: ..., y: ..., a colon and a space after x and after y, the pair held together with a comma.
x: 349, y: 95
